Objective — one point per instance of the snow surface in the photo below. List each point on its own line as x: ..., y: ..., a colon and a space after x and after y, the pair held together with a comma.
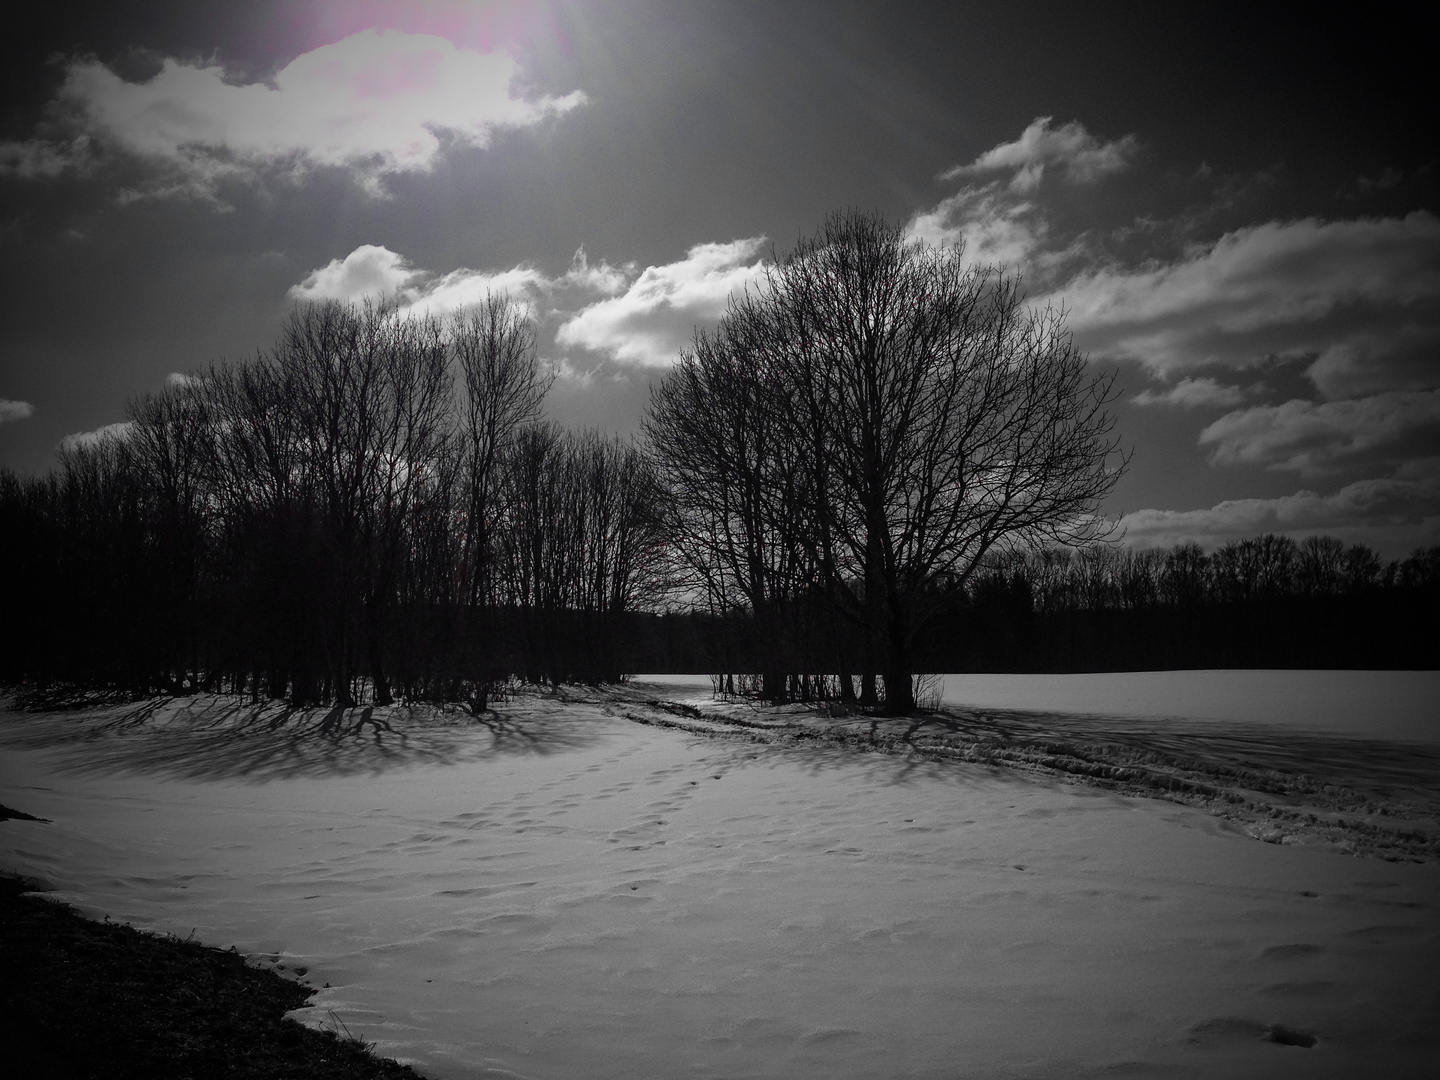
x: 559, y: 892
x: 1398, y: 705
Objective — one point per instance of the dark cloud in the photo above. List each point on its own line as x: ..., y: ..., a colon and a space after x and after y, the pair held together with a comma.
x: 1393, y: 514
x: 1324, y: 438
x: 1192, y: 393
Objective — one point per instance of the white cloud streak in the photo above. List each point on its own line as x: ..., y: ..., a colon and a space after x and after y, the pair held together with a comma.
x: 1392, y: 514
x: 634, y: 319
x: 1313, y: 438
x: 1070, y: 151
x: 1360, y: 296
x: 79, y: 439
x: 376, y: 104
x: 655, y: 317
x: 11, y: 411
x: 370, y: 271
x: 1198, y: 393
x: 989, y: 222
x: 999, y: 215
x: 375, y: 273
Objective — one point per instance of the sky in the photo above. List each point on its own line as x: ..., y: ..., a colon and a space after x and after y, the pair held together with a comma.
x: 1236, y: 205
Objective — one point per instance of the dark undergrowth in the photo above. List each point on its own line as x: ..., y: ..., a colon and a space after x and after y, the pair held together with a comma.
x: 82, y: 999
x: 68, y: 696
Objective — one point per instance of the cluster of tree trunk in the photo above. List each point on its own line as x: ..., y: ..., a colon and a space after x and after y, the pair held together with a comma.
x: 371, y: 508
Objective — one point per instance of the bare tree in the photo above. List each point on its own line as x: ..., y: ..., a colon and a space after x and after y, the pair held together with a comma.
x: 493, y: 345
x: 941, y: 419
x: 720, y: 436
x: 1320, y: 565
x: 169, y: 444
x: 372, y: 393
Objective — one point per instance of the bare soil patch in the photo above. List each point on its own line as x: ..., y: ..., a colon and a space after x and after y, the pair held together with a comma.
x: 82, y: 999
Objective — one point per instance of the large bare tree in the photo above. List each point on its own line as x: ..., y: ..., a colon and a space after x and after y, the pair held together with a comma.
x: 922, y: 417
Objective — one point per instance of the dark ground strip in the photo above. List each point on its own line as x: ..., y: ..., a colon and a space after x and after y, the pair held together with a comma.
x: 82, y: 999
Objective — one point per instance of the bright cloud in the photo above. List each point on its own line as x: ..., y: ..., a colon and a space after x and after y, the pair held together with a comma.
x: 1193, y: 394
x: 657, y: 314
x: 1393, y: 515
x: 999, y: 216
x: 462, y: 288
x: 1077, y: 156
x: 376, y: 103
x: 370, y: 271
x: 1362, y: 294
x: 989, y: 222
x: 1314, y: 438
x: 642, y: 319
x: 374, y: 272
x: 80, y: 439
x: 15, y: 410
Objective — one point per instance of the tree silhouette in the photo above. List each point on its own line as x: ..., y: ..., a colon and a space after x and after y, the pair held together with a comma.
x: 883, y: 415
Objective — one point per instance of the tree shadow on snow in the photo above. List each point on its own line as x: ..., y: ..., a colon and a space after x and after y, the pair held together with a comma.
x: 230, y: 738
x: 1279, y: 785
x: 1274, y: 758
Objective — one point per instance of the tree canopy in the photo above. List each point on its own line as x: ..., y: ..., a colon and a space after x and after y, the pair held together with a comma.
x: 866, y: 427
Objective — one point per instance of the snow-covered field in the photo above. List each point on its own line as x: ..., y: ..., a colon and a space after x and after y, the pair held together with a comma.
x: 563, y: 892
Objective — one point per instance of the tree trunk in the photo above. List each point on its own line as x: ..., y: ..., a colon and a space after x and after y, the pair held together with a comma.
x: 869, y: 697
x: 899, y: 685
x: 899, y: 689
x: 377, y: 663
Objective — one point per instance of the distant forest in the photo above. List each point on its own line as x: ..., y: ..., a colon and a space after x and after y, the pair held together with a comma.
x: 880, y: 464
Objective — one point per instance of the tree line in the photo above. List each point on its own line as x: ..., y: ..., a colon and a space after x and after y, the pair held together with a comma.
x: 1266, y: 601
x: 880, y: 462
x: 1319, y: 603
x: 372, y: 508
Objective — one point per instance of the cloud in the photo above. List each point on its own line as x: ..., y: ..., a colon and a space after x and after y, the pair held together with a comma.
x: 988, y: 221
x: 1192, y: 394
x: 1357, y: 301
x: 1315, y: 438
x: 605, y: 279
x: 1361, y: 296
x: 1393, y: 515
x: 630, y: 317
x: 37, y: 160
x: 369, y: 271
x: 464, y: 287
x: 119, y: 432
x: 374, y: 272
x: 1070, y: 151
x: 655, y: 317
x: 376, y: 104
x: 15, y: 410
x: 1396, y: 354
x: 999, y: 215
